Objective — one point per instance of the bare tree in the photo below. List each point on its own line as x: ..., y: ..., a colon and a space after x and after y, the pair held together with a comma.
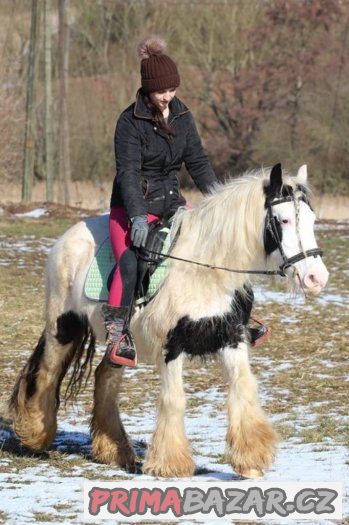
x: 48, y: 103
x: 64, y: 153
x: 30, y: 122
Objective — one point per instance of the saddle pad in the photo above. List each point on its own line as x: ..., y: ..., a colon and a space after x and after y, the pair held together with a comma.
x: 98, y: 273
x: 96, y: 283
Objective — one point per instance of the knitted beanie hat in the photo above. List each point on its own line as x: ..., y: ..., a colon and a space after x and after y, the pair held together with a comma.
x: 158, y: 71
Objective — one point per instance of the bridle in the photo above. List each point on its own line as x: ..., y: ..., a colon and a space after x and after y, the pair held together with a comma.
x: 271, y: 225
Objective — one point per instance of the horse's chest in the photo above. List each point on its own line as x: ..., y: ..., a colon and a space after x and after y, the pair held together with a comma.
x: 204, y: 336
x: 210, y: 333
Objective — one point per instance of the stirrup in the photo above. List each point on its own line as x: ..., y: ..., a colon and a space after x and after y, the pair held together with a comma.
x: 116, y: 358
x: 261, y: 333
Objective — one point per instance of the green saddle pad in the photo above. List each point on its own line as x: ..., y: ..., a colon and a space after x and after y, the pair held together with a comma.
x: 98, y: 273
x: 103, y: 263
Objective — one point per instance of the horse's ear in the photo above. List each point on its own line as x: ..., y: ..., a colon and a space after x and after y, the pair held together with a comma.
x: 302, y: 174
x: 276, y: 179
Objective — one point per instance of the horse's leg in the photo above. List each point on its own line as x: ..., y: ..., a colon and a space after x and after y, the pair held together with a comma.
x: 169, y: 453
x: 251, y: 440
x: 110, y: 443
x: 35, y: 398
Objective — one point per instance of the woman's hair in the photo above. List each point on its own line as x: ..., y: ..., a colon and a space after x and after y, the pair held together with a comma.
x: 158, y: 116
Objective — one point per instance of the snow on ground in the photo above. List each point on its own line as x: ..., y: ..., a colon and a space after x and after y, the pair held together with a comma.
x: 48, y: 489
x: 264, y: 295
x: 34, y: 214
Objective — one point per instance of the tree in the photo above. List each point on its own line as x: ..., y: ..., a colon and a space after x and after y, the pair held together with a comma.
x: 30, y: 122
x: 48, y: 103
x: 64, y: 153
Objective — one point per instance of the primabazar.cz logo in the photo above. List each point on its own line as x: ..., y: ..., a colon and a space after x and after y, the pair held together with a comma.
x: 156, y: 500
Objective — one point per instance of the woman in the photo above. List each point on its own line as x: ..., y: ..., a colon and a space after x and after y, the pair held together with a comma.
x: 153, y: 137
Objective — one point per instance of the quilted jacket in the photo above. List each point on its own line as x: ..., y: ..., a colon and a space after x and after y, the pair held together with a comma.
x: 148, y: 160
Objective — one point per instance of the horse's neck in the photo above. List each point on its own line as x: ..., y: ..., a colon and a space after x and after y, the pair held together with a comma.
x: 217, y: 244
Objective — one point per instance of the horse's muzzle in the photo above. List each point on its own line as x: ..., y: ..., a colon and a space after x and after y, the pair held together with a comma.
x: 315, y: 280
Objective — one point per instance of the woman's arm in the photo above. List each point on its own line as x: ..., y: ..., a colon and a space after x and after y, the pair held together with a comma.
x: 196, y: 160
x: 128, y: 154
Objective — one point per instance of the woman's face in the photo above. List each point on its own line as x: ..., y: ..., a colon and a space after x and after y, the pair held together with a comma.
x: 162, y: 98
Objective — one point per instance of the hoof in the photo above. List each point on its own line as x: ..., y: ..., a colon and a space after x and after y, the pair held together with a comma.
x: 34, y: 419
x: 251, y: 473
x: 106, y: 451
x: 35, y: 437
x: 169, y: 469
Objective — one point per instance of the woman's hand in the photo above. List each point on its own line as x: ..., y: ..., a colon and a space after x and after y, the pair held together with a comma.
x: 139, y: 230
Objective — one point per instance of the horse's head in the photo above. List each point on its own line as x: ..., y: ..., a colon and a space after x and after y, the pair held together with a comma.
x: 289, y: 231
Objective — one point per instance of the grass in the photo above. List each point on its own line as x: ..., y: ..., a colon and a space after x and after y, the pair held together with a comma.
x: 301, y: 370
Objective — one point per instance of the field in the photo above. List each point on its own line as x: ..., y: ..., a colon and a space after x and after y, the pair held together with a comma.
x: 302, y: 372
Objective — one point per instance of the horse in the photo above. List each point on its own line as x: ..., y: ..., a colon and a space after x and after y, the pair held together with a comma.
x: 260, y: 222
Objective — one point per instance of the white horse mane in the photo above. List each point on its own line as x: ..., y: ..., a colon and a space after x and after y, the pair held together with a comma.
x: 225, y: 228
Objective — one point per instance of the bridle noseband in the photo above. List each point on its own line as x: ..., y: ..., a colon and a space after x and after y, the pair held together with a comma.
x: 271, y: 225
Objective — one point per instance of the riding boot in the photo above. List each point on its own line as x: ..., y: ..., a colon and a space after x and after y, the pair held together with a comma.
x: 121, y: 350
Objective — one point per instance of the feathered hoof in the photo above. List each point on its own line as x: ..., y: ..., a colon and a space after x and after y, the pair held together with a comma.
x: 34, y: 437
x: 251, y: 473
x: 169, y: 470
x: 110, y: 453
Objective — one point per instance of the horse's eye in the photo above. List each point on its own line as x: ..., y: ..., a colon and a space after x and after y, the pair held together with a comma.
x: 285, y: 221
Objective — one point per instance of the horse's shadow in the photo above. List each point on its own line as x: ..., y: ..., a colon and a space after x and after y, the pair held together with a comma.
x: 79, y: 443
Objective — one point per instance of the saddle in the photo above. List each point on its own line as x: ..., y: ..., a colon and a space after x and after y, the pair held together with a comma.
x: 151, y: 266
x: 150, y: 259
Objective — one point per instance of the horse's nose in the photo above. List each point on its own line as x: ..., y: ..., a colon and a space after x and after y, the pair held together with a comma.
x: 315, y: 278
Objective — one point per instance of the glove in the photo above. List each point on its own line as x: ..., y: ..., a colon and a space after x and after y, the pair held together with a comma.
x: 139, y: 230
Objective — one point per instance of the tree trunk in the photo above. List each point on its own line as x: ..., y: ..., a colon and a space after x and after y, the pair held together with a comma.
x: 64, y: 156
x: 30, y: 120
x: 48, y: 104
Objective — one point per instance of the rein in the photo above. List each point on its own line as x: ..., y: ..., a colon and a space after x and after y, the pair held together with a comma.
x: 271, y: 225
x: 210, y: 266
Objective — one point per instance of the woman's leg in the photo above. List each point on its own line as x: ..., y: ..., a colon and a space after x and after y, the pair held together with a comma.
x: 125, y: 276
x: 120, y: 346
x: 126, y: 269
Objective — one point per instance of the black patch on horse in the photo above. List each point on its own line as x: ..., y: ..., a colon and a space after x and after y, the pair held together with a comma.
x: 210, y: 334
x: 75, y: 329
x: 29, y: 372
x: 271, y: 241
x: 272, y: 226
x: 270, y: 194
x: 70, y: 326
x: 33, y: 367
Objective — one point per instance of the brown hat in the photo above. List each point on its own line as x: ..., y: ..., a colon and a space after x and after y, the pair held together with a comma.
x: 158, y: 71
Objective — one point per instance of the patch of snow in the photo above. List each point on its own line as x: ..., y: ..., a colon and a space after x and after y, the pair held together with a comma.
x: 44, y: 488
x: 34, y: 214
x: 263, y: 295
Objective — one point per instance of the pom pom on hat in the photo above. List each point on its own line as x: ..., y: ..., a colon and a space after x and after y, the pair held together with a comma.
x: 158, y: 71
x: 150, y: 46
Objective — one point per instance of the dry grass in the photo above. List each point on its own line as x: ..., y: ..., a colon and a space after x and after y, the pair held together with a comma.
x: 301, y: 370
x: 85, y: 194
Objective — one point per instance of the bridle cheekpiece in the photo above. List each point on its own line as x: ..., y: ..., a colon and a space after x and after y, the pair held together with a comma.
x: 272, y: 225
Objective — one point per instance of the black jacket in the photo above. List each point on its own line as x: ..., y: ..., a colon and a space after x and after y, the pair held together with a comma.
x: 148, y: 160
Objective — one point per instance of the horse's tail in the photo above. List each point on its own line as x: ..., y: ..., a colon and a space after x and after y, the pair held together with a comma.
x: 80, y: 358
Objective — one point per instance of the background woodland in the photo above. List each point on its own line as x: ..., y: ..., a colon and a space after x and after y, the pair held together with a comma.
x: 267, y: 81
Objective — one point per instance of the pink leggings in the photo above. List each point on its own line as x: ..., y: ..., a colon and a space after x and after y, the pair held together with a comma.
x: 125, y: 276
